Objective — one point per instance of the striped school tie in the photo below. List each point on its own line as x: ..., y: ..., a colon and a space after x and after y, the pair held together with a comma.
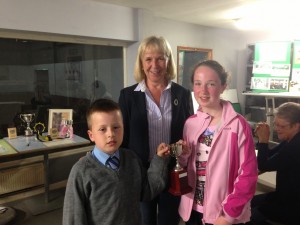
x: 113, y: 163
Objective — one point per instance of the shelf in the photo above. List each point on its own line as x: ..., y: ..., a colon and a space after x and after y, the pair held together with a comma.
x: 257, y: 107
x: 274, y: 94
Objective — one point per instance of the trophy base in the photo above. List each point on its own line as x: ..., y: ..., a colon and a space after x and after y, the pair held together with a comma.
x: 179, y: 183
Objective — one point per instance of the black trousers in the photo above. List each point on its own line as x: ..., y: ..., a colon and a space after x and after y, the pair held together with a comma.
x: 265, y: 207
x: 196, y: 219
x: 163, y: 210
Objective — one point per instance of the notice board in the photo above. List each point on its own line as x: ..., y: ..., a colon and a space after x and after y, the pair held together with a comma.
x: 295, y: 77
x: 271, y: 67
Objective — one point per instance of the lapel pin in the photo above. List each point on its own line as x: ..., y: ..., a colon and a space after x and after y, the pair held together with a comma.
x: 176, y: 101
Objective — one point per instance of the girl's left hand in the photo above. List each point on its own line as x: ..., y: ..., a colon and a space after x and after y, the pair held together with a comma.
x: 221, y: 221
x: 185, y: 147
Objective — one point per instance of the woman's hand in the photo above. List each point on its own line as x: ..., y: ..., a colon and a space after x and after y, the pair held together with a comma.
x: 262, y: 131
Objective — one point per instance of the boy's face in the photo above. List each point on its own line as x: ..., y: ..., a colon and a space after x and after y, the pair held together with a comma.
x: 106, y: 130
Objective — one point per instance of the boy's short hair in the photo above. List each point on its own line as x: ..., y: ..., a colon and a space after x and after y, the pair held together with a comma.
x: 101, y: 105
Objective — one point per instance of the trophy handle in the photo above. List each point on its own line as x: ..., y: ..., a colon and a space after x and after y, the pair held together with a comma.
x: 33, y: 117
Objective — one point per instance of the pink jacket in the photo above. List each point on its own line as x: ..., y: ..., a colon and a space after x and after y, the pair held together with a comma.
x: 231, y: 170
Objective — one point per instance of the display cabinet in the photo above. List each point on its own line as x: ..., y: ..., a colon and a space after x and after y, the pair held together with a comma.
x: 261, y: 106
x: 25, y: 162
x: 259, y: 103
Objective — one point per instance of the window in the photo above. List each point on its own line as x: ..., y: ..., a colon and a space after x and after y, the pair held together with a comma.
x: 187, y: 58
x: 38, y: 75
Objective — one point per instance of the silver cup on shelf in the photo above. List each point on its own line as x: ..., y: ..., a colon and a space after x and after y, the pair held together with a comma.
x: 27, y: 118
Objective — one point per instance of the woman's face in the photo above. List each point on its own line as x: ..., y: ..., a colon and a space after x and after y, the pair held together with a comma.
x: 284, y: 129
x: 207, y: 87
x: 154, y: 66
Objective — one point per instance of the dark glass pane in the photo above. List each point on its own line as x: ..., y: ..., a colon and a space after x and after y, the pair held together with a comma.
x: 38, y: 75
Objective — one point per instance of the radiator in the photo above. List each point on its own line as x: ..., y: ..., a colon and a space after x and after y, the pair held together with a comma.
x: 15, y: 179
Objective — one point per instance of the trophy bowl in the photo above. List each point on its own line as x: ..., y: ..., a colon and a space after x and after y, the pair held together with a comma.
x: 27, y: 118
x: 176, y: 151
x: 178, y: 176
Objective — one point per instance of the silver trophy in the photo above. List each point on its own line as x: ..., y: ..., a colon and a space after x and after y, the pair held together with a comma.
x: 178, y: 176
x: 27, y: 118
x: 175, y: 151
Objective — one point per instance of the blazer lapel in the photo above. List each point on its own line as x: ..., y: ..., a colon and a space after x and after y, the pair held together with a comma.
x: 139, y: 103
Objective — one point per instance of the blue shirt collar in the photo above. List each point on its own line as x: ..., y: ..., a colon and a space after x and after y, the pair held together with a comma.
x: 102, y: 156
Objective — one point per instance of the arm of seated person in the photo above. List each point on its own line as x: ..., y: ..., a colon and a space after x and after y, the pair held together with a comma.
x: 262, y: 131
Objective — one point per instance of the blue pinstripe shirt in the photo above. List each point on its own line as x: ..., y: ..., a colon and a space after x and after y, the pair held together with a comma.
x: 159, y: 117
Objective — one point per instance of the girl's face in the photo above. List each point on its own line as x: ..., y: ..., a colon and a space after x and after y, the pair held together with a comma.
x: 154, y: 66
x: 207, y: 87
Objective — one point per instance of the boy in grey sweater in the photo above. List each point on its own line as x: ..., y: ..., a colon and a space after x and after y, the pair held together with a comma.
x: 106, y: 186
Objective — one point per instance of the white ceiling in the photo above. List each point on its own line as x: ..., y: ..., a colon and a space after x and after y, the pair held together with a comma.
x: 218, y: 13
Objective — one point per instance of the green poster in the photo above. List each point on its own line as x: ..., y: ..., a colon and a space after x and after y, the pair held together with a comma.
x: 271, y: 67
x: 295, y: 78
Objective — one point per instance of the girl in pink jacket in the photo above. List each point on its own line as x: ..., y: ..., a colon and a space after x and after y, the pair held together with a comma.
x: 218, y: 153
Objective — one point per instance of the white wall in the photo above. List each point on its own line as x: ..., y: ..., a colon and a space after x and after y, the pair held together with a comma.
x: 72, y: 17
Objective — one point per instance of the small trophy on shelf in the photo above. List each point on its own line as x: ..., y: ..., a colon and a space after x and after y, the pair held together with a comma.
x: 69, y: 124
x: 27, y: 118
x: 66, y: 130
x: 179, y: 179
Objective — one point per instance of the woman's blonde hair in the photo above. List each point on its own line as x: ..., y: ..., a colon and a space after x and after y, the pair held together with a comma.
x: 156, y: 44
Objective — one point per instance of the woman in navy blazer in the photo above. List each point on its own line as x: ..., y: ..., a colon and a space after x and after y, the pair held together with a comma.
x: 154, y: 111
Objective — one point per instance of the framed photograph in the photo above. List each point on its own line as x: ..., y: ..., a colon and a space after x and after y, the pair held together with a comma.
x: 56, y: 116
x: 12, y: 132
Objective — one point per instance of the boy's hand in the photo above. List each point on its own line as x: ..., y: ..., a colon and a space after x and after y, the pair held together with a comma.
x: 163, y: 150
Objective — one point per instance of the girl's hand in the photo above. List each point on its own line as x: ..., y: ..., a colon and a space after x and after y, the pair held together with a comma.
x: 185, y: 147
x: 221, y: 221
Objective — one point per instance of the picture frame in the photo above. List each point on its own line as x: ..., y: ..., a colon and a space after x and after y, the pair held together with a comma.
x: 187, y: 58
x: 12, y: 132
x: 56, y: 116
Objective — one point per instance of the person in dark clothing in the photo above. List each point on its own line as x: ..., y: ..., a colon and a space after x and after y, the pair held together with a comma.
x: 282, y: 205
x: 154, y: 111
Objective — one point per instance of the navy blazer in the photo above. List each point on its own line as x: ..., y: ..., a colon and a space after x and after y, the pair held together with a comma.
x: 133, y: 107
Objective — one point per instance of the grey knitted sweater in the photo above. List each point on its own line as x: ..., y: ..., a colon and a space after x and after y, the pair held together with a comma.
x: 97, y: 195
